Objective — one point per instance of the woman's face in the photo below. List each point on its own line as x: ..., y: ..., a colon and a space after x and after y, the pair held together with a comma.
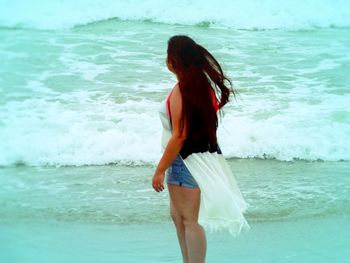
x: 170, y: 67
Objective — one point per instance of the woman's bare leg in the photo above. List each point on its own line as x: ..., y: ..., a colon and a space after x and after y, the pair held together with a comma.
x: 186, y: 201
x: 180, y: 230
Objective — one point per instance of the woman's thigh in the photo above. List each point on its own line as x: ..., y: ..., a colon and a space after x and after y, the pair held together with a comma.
x: 186, y: 201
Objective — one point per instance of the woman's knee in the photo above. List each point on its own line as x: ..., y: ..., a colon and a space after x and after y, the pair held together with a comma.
x: 177, y: 219
x: 190, y: 222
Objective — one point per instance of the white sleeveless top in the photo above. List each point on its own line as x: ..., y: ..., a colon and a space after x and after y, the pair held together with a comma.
x: 166, y: 125
x: 222, y: 204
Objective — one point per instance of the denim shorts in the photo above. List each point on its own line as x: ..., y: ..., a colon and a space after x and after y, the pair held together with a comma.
x: 178, y: 174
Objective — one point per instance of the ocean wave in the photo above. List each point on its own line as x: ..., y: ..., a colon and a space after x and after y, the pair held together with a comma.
x: 238, y: 14
x: 68, y: 131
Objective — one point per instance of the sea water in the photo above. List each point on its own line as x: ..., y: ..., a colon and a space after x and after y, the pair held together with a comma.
x: 81, y: 83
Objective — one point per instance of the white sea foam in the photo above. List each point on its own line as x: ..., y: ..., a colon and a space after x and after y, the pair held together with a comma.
x: 90, y: 128
x: 266, y: 14
x: 89, y: 71
x: 78, y: 130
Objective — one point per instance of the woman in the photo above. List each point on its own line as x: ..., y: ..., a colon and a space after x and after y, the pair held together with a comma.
x: 191, y: 154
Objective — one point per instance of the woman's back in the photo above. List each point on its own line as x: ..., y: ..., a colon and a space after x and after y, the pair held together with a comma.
x: 202, y: 142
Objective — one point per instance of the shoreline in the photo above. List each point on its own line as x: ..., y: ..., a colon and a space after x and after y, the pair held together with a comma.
x: 295, y: 241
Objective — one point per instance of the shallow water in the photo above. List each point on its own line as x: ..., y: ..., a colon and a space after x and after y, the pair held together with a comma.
x: 276, y: 191
x: 299, y: 213
x: 306, y: 240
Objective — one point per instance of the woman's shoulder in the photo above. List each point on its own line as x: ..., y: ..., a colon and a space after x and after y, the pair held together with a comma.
x: 175, y: 89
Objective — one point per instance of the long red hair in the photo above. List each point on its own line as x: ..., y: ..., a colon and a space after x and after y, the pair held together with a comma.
x: 199, y: 75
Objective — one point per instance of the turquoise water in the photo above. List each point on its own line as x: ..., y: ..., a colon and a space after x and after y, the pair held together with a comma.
x: 298, y: 213
x: 80, y: 87
x: 270, y: 242
x: 74, y: 97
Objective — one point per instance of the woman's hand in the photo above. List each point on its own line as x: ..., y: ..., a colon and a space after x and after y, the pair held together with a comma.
x: 158, y: 181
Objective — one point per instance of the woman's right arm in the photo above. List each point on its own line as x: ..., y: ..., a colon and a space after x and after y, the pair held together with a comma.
x: 177, y: 139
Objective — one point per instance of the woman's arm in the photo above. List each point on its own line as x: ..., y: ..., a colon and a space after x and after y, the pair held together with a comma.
x: 176, y: 141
